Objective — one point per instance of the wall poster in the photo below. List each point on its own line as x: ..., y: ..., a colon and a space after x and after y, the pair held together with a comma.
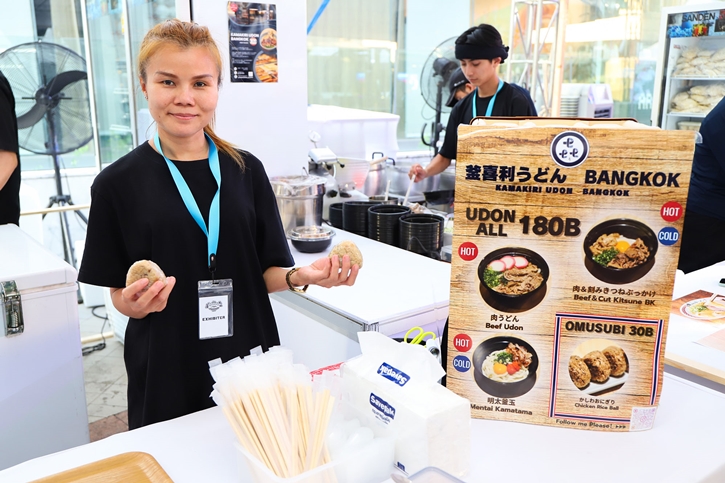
x: 565, y: 247
x: 252, y: 42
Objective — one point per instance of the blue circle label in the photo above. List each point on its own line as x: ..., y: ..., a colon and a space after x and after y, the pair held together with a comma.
x: 668, y: 235
x: 462, y: 363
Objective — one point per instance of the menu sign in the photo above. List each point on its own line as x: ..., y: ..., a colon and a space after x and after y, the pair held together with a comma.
x: 565, y: 248
x: 252, y: 41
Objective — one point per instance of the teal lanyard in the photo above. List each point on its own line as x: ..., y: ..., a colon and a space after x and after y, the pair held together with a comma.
x: 212, y: 235
x: 489, y: 109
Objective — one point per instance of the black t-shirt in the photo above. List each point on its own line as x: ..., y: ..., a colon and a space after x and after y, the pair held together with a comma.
x: 509, y: 102
x: 707, y: 182
x: 10, y: 193
x: 137, y: 213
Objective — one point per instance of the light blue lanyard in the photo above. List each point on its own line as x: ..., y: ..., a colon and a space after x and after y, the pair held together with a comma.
x: 212, y: 235
x: 489, y: 109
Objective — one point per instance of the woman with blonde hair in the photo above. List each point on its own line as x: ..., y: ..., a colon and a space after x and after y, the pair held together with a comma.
x: 203, y: 211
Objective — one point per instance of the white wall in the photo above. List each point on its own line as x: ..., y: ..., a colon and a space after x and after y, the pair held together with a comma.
x: 268, y: 120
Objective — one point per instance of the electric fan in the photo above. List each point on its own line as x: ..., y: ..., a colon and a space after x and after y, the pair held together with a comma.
x: 437, y: 70
x: 50, y: 86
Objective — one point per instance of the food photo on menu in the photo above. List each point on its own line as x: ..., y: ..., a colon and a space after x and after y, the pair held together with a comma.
x: 620, y: 250
x: 701, y: 306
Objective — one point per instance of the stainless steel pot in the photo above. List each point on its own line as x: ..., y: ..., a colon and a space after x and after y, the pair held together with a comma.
x: 399, y: 181
x: 299, y: 200
x: 377, y: 178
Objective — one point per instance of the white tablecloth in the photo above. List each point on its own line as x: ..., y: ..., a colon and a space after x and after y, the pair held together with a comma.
x: 682, y: 350
x: 685, y: 445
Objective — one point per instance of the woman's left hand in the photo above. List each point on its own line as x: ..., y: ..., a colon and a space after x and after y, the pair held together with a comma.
x: 326, y: 273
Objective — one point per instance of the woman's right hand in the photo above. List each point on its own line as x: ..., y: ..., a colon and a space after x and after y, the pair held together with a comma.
x: 418, y: 171
x: 136, y: 303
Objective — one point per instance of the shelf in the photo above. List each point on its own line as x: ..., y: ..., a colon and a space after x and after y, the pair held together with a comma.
x: 702, y: 77
x: 700, y: 115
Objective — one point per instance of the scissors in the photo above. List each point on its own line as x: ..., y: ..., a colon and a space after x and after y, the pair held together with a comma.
x: 419, y: 337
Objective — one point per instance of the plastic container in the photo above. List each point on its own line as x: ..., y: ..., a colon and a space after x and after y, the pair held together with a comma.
x: 311, y: 239
x: 261, y: 474
x: 432, y: 474
x: 421, y: 233
x: 355, y: 216
x: 370, y: 464
x: 383, y: 223
x: 354, y: 133
x: 335, y: 217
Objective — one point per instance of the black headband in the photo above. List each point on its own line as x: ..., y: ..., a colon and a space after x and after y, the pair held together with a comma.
x: 473, y: 52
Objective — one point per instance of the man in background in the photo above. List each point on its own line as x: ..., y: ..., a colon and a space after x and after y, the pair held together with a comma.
x: 481, y: 51
x: 9, y: 157
x: 459, y: 88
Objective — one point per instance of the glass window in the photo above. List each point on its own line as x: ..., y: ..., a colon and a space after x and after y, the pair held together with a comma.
x: 56, y: 22
x: 370, y: 54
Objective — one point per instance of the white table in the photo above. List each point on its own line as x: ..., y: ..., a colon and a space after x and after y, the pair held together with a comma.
x: 685, y: 445
x: 682, y: 352
x: 395, y: 290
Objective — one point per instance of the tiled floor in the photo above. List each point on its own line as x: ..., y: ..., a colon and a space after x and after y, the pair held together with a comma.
x: 105, y: 378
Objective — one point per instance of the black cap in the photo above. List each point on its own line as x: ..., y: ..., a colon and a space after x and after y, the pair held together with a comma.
x: 457, y: 80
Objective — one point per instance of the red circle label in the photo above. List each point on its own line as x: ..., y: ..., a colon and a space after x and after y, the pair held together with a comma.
x: 671, y: 211
x: 462, y: 342
x: 468, y: 251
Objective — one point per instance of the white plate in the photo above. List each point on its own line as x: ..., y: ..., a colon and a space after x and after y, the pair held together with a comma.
x: 597, y: 387
x: 686, y: 310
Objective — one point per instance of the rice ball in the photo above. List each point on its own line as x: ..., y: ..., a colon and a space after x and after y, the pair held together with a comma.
x: 347, y: 248
x: 145, y: 269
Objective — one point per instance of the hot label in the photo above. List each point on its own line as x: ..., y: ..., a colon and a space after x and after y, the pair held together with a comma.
x: 462, y: 342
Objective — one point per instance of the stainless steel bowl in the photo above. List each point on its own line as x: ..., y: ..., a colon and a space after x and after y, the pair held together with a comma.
x: 311, y: 239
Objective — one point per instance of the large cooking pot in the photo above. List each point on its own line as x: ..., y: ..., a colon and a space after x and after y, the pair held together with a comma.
x: 377, y: 178
x: 399, y: 180
x: 299, y: 200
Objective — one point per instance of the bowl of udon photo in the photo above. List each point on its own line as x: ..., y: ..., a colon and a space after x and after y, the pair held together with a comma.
x: 268, y: 39
x: 505, y: 366
x: 620, y: 250
x: 513, y: 279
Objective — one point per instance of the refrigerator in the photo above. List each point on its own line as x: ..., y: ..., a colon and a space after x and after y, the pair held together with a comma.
x: 690, y: 75
x: 42, y: 395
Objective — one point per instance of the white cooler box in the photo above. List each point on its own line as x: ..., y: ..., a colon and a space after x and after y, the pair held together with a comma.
x: 42, y: 395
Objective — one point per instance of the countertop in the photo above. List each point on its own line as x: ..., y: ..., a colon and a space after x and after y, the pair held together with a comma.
x: 394, y: 285
x: 682, y: 350
x: 684, y: 445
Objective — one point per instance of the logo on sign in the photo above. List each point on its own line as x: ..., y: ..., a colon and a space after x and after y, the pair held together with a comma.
x: 569, y: 149
x: 214, y: 305
x: 382, y: 406
x: 393, y: 374
x: 462, y: 363
x: 668, y: 236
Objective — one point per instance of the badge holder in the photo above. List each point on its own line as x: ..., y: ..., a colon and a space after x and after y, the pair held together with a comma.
x: 215, y: 309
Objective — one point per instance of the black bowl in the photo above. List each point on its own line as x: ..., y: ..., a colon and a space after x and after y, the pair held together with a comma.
x: 311, y: 239
x: 510, y: 302
x: 503, y: 389
x: 631, y: 229
x: 335, y: 215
